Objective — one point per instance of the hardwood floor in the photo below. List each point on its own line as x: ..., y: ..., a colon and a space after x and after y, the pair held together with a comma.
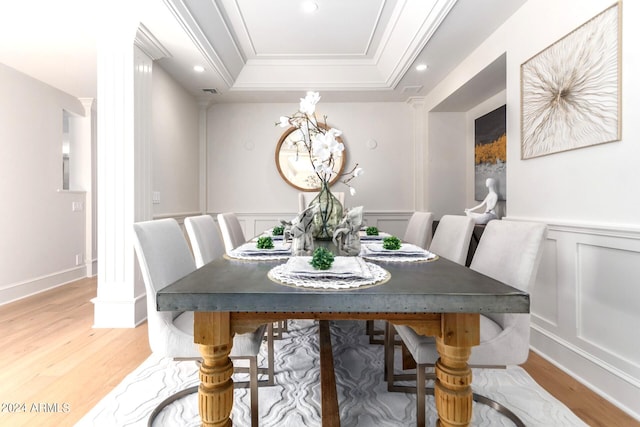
x: 56, y: 367
x: 50, y: 354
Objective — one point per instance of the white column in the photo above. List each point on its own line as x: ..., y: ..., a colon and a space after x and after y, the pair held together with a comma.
x: 204, y: 173
x: 122, y: 131
x: 419, y: 152
x: 86, y: 127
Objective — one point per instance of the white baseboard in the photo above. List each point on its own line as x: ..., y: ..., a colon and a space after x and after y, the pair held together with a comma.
x: 36, y: 285
x: 112, y: 313
x: 613, y: 385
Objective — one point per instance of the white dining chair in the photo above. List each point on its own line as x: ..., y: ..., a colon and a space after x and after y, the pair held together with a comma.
x: 306, y: 197
x: 207, y: 246
x: 419, y: 229
x: 418, y: 232
x: 451, y: 241
x: 232, y: 234
x: 206, y: 240
x: 233, y: 237
x: 452, y: 237
x: 164, y: 257
x: 509, y: 251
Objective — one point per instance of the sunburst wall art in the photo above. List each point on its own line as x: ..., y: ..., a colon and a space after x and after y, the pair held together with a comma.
x: 570, y: 92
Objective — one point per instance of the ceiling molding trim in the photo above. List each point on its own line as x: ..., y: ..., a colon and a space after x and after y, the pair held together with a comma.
x: 375, y: 28
x: 343, y: 78
x: 394, y: 62
x: 150, y: 45
x: 249, y: 45
x: 186, y: 20
x: 230, y: 33
x: 390, y: 29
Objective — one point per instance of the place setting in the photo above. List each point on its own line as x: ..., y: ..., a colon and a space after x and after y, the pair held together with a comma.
x: 262, y: 248
x: 371, y: 234
x: 324, y: 270
x: 392, y: 249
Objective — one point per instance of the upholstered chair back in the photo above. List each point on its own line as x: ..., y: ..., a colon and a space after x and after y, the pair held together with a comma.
x: 419, y: 229
x: 510, y: 251
x: 452, y: 237
x: 232, y: 234
x: 205, y: 238
x: 164, y: 257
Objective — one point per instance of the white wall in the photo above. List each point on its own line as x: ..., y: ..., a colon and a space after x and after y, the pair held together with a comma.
x: 174, y: 146
x: 586, y: 305
x: 41, y: 235
x: 242, y: 174
x: 447, y: 164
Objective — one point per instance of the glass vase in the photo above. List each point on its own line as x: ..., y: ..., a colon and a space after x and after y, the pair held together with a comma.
x: 328, y: 215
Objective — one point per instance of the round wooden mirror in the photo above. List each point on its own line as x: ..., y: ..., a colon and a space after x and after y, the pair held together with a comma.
x: 294, y: 164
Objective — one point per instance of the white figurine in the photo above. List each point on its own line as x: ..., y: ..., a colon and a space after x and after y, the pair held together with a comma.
x: 302, y: 232
x: 346, y: 235
x: 489, y: 202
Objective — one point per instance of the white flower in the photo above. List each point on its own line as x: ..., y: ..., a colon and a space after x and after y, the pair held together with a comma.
x: 308, y: 103
x: 284, y: 121
x: 352, y: 191
x: 358, y: 172
x: 335, y: 132
x: 324, y: 145
x: 324, y: 169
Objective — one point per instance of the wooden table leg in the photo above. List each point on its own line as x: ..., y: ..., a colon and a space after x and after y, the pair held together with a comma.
x: 330, y: 408
x: 453, y: 395
x: 212, y: 331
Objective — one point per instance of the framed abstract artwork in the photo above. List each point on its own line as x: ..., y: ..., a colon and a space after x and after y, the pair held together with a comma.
x: 491, y: 152
x: 570, y: 92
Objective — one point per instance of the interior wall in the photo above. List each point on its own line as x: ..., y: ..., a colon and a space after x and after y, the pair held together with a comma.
x: 242, y: 174
x: 175, y: 147
x: 585, y: 307
x: 447, y: 163
x: 41, y: 234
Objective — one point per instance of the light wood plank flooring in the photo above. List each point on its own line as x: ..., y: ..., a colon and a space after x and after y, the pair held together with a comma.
x: 50, y: 354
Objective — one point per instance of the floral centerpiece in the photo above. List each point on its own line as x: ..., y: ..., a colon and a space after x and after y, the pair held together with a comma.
x: 323, y: 147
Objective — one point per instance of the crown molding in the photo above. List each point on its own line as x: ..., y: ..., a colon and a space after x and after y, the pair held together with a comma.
x: 150, y: 45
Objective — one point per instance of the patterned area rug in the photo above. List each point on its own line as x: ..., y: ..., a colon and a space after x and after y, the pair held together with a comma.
x: 295, y: 399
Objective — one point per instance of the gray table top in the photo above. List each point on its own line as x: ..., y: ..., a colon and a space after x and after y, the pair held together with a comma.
x: 439, y: 286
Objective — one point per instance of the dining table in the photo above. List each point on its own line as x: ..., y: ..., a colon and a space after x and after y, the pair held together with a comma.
x: 436, y: 297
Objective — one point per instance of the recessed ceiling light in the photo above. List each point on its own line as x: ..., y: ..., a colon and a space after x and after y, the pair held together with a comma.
x: 309, y: 6
x: 421, y: 67
x: 198, y: 68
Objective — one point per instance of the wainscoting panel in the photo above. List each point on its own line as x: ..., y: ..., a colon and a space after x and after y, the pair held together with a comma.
x: 586, y: 308
x: 544, y: 300
x: 608, y: 316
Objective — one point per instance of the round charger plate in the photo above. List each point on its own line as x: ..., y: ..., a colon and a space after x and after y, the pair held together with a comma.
x: 279, y: 274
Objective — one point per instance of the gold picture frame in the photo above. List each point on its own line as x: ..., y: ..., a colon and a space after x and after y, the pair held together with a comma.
x: 570, y: 92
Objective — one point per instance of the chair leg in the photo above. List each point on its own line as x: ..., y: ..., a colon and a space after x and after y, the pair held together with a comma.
x: 270, y: 356
x: 282, y: 326
x: 420, y: 396
x: 373, y: 333
x: 253, y: 380
x: 166, y: 402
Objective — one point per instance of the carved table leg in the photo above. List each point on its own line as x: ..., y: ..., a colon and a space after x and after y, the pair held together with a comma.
x: 453, y: 394
x: 215, y: 394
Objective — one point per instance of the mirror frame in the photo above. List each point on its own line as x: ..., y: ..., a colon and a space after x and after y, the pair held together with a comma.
x: 282, y: 140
